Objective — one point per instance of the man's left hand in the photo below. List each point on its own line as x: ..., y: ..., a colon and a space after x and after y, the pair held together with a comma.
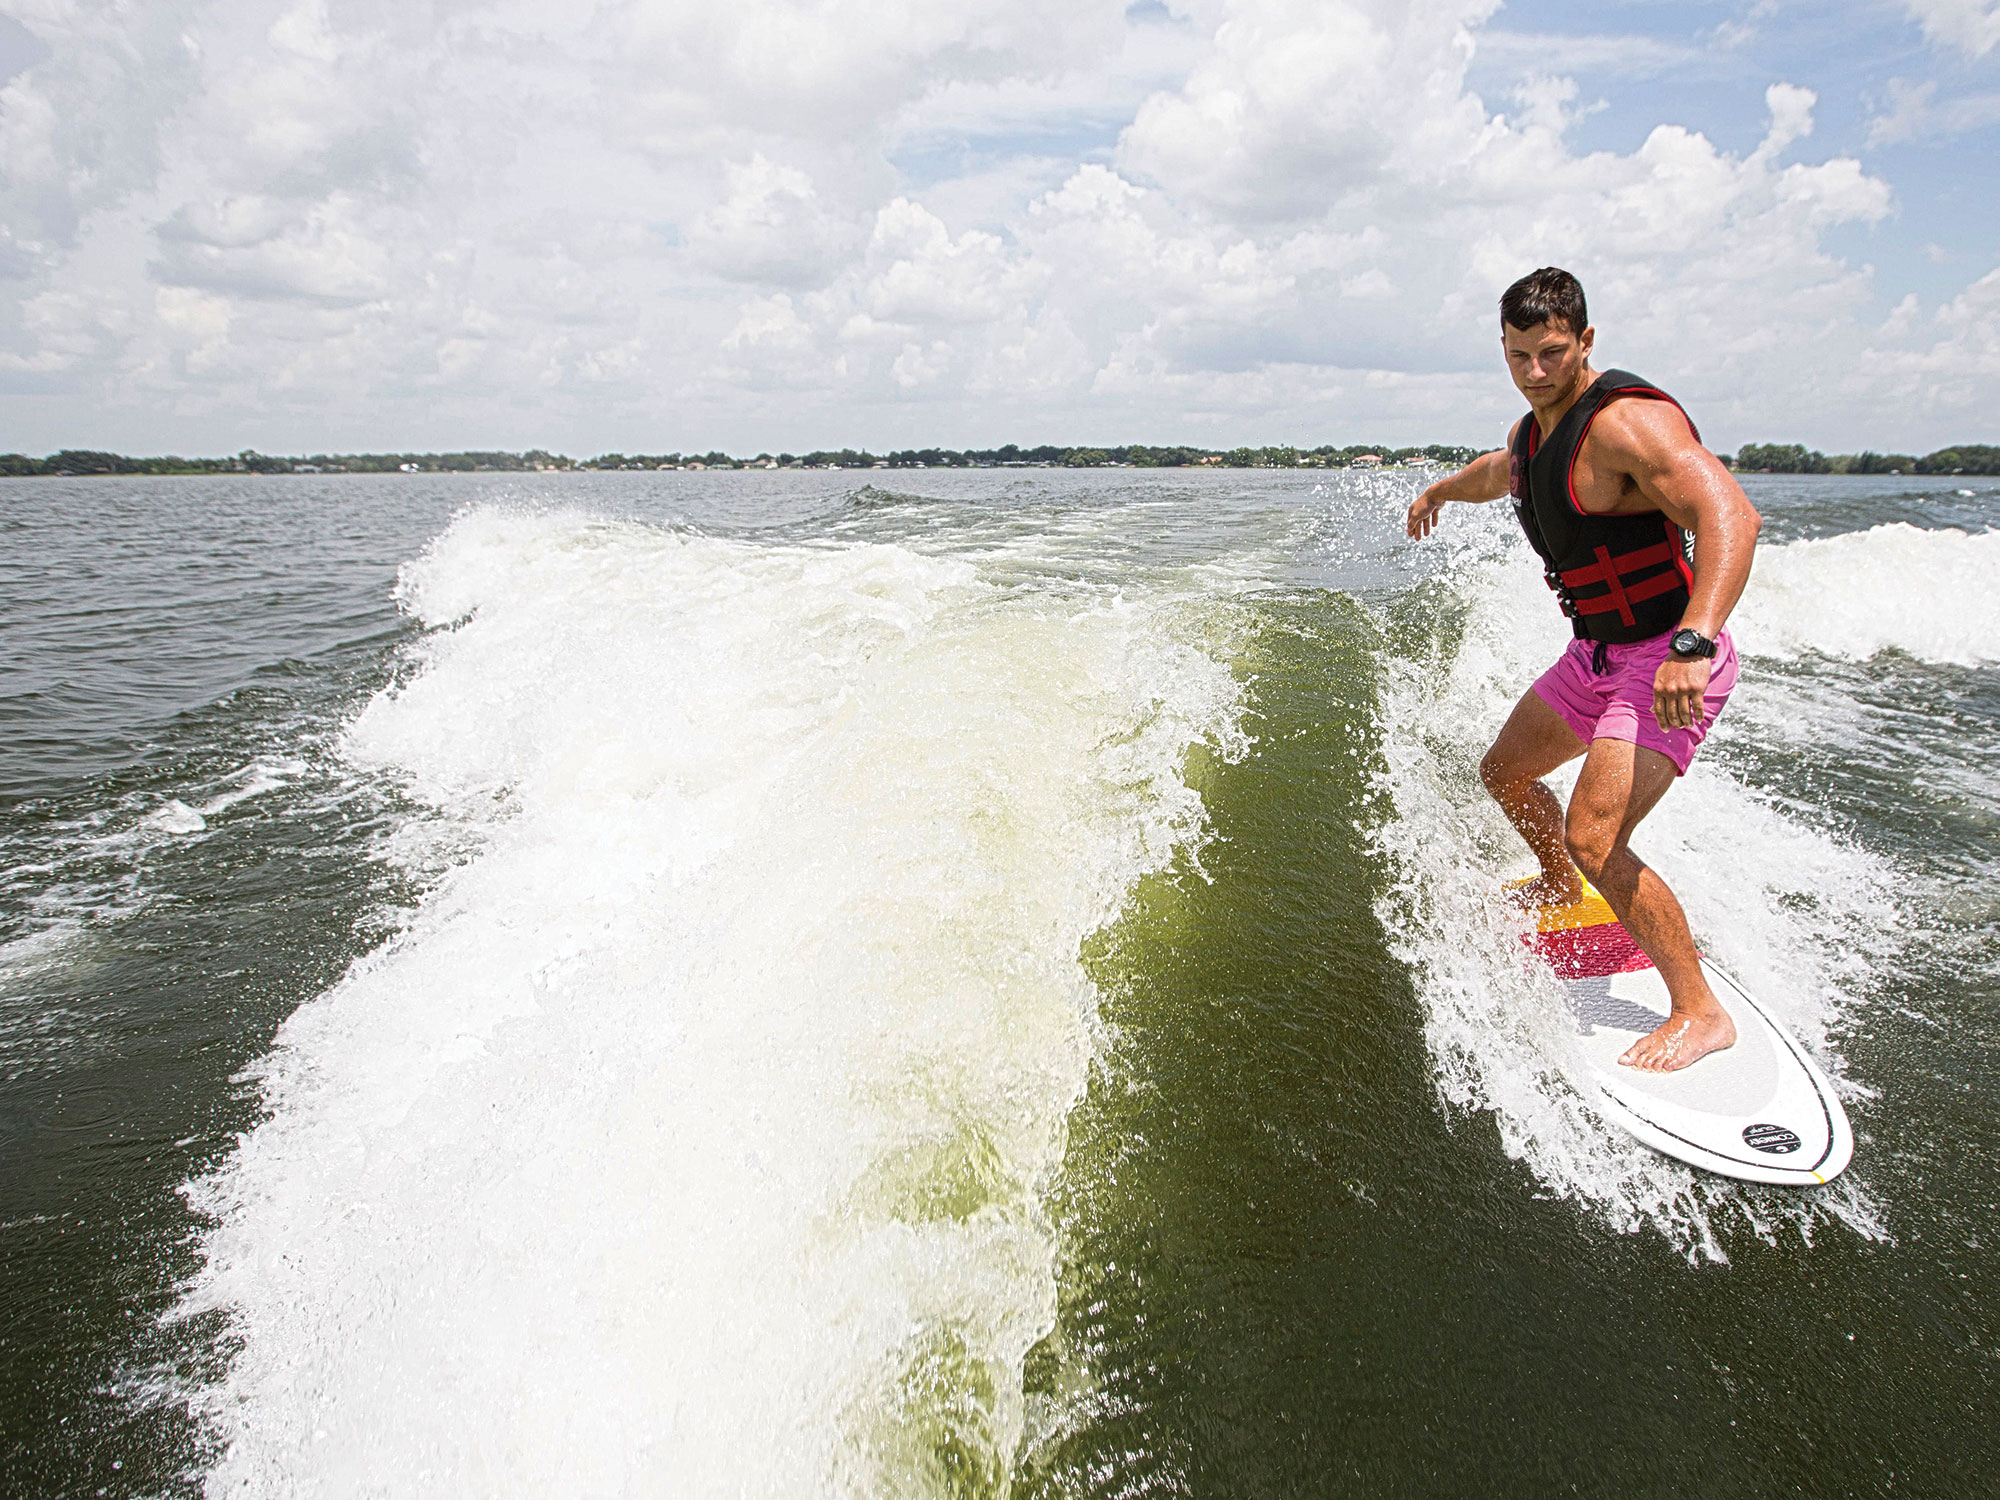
x: 1678, y: 688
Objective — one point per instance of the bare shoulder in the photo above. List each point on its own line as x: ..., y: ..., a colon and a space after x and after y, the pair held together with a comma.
x: 1639, y: 436
x: 1646, y: 453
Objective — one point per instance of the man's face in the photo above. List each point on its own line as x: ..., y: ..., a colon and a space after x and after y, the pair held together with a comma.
x: 1545, y: 360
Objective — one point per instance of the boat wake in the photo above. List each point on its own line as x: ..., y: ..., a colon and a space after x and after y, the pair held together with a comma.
x: 692, y: 1132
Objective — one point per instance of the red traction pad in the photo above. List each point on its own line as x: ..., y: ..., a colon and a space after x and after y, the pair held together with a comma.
x: 1590, y: 952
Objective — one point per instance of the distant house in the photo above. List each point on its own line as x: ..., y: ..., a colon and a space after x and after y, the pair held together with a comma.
x: 408, y: 469
x: 1366, y: 461
x: 1211, y: 460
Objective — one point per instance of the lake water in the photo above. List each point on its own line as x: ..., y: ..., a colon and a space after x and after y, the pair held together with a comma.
x: 947, y: 983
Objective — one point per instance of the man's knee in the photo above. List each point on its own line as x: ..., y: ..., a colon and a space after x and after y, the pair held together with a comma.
x: 1591, y: 842
x: 1498, y: 771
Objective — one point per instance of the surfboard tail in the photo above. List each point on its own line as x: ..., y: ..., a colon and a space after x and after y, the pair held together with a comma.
x: 1760, y: 1111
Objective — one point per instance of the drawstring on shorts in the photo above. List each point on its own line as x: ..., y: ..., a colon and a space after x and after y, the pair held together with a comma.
x: 1600, y: 658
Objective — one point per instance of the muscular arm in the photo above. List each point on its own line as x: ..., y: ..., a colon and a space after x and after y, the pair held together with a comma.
x: 1667, y: 469
x: 1485, y: 478
x: 1649, y: 443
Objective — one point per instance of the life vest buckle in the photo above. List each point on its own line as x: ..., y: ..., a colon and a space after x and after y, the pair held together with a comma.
x: 1564, y: 601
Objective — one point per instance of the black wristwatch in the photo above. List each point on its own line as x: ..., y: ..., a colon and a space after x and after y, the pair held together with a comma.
x: 1692, y: 645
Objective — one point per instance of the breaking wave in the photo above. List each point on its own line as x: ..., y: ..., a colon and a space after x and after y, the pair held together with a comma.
x: 692, y: 1132
x: 1898, y: 587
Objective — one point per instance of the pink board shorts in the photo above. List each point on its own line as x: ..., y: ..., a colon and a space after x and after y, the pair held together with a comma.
x: 1617, y: 703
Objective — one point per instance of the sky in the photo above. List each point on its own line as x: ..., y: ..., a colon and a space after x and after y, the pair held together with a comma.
x: 768, y: 225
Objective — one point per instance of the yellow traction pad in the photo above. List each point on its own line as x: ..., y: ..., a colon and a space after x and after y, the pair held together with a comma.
x: 1592, y: 911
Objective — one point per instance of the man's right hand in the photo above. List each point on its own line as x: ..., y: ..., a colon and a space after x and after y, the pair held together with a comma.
x: 1485, y: 478
x: 1424, y: 510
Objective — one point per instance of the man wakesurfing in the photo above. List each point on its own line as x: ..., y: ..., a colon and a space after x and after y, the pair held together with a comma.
x: 1609, y: 479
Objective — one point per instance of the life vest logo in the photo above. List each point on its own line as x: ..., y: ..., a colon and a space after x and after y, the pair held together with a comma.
x: 1775, y: 1139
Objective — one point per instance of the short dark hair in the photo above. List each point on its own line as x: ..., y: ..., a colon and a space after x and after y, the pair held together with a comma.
x: 1549, y: 295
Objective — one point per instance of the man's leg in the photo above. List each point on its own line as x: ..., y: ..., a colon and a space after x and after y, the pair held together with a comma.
x: 1621, y: 783
x: 1532, y: 743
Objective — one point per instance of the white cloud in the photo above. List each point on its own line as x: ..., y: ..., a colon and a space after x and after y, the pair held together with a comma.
x: 1602, y: 55
x: 917, y: 275
x: 1909, y: 114
x: 196, y: 324
x: 1957, y: 368
x: 65, y: 330
x: 257, y: 248
x: 1371, y: 285
x: 1302, y: 102
x: 79, y: 131
x: 783, y: 67
x: 769, y: 323
x: 1971, y: 24
x: 1042, y: 359
x: 771, y: 226
x: 1916, y: 114
x: 648, y: 226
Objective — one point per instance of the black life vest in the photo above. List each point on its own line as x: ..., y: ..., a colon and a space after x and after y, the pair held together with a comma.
x: 1618, y: 578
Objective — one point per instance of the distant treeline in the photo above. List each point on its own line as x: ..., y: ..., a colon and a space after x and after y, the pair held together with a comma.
x: 250, y: 461
x: 1761, y: 458
x: 1131, y: 455
x: 1139, y: 456
x: 1792, y: 458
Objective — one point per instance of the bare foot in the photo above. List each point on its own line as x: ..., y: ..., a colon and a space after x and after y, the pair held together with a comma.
x: 1684, y: 1039
x: 1547, y: 890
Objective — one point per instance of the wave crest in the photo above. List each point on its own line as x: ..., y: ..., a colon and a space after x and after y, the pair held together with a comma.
x: 704, y: 1111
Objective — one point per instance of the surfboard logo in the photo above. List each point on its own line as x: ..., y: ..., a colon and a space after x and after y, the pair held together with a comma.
x: 1772, y: 1138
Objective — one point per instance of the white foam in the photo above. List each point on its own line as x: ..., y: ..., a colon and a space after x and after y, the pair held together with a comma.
x: 1801, y: 917
x: 254, y: 780
x: 175, y: 816
x: 1896, y: 587
x: 78, y: 878
x: 690, y: 1138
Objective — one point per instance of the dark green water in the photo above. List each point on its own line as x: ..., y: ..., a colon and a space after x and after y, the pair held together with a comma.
x: 1322, y: 1223
x: 1295, y: 1275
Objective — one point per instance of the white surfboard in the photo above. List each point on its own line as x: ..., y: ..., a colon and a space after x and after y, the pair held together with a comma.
x: 1761, y: 1110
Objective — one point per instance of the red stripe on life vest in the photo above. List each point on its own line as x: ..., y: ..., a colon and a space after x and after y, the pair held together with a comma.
x: 1616, y: 585
x: 1677, y: 543
x: 1663, y: 583
x: 1603, y: 570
